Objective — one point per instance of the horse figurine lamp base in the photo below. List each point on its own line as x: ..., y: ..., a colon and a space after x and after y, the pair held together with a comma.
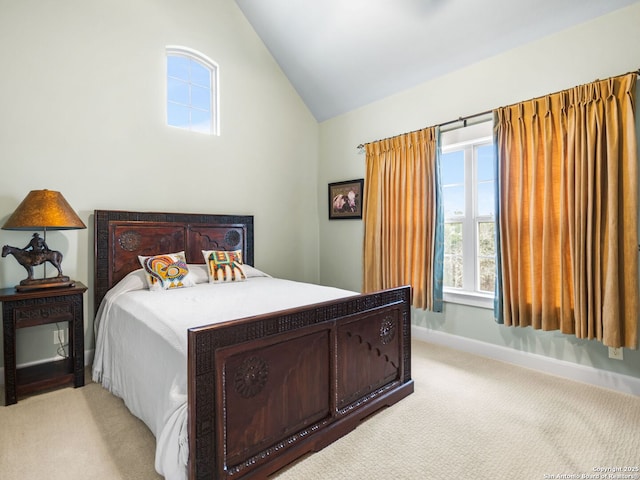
x: 34, y: 254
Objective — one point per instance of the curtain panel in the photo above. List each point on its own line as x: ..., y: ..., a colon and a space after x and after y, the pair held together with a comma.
x: 402, y: 235
x: 568, y: 212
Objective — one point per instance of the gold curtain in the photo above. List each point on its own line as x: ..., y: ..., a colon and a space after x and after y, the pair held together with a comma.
x: 399, y: 214
x: 568, y: 214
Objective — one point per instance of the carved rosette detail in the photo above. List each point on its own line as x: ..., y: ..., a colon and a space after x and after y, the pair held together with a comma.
x: 387, y: 330
x: 251, y: 377
x: 129, y: 241
x: 232, y: 238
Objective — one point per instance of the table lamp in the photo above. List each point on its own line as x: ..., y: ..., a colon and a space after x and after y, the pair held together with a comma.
x: 41, y: 210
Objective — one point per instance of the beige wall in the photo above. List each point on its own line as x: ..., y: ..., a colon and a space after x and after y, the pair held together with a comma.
x: 82, y: 111
x: 604, y: 47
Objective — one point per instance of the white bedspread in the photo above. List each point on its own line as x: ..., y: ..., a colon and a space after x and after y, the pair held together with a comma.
x: 141, y: 344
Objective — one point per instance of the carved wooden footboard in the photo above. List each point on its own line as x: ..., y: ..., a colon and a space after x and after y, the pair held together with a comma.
x: 265, y: 390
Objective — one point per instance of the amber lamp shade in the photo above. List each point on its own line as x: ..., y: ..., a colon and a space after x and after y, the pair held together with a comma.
x: 44, y: 210
x: 41, y: 210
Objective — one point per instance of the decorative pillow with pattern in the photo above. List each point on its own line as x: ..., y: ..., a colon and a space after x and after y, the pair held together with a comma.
x: 167, y: 271
x: 224, y: 266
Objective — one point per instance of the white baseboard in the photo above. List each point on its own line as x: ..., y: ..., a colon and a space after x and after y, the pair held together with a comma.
x: 88, y: 360
x: 561, y: 368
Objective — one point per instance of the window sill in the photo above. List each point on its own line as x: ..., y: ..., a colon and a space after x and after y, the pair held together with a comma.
x: 469, y: 298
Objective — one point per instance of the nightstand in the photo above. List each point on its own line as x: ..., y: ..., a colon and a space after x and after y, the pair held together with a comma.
x: 41, y: 307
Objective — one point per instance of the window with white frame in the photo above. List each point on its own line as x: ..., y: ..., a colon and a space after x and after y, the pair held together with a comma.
x: 192, y: 91
x: 468, y: 194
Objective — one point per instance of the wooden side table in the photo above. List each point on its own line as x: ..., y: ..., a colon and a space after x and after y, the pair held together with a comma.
x: 41, y: 307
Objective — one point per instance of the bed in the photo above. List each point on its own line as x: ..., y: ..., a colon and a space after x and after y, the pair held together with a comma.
x: 239, y: 396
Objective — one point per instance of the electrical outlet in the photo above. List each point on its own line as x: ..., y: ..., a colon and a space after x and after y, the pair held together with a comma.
x: 615, y: 352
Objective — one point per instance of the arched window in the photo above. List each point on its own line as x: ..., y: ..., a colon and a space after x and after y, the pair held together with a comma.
x: 192, y: 91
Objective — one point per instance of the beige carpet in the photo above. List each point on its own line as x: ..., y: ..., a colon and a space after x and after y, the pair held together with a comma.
x: 74, y: 434
x: 469, y: 418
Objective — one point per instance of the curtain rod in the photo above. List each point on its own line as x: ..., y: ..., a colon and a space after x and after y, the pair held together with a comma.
x: 469, y: 117
x: 450, y: 122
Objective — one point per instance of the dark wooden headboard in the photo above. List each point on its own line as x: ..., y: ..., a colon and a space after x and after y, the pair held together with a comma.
x: 120, y: 236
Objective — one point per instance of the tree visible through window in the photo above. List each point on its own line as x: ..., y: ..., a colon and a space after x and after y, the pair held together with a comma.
x: 191, y: 91
x: 468, y: 184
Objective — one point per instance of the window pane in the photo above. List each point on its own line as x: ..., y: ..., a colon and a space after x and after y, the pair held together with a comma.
x: 453, y: 260
x: 453, y: 239
x: 200, y: 121
x: 200, y: 75
x: 486, y: 256
x: 453, y: 201
x: 487, y: 274
x: 190, y: 83
x: 177, y: 91
x: 486, y: 239
x: 452, y: 275
x: 177, y: 115
x: 178, y: 67
x: 452, y: 167
x: 201, y: 98
x: 486, y: 199
x: 484, y: 156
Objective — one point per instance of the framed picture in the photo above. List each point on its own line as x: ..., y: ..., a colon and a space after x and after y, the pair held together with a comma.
x: 345, y: 199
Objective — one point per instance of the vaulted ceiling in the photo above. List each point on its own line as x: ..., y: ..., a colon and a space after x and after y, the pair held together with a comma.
x: 343, y: 54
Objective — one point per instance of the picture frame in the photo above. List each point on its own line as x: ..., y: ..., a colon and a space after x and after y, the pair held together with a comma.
x: 346, y: 199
